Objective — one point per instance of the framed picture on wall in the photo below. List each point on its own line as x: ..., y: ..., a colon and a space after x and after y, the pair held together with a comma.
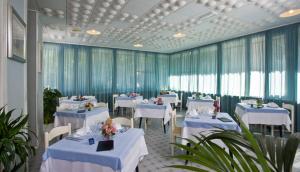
x: 16, y: 36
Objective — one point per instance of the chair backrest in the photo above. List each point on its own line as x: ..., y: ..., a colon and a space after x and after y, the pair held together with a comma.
x: 291, y: 109
x: 114, y: 96
x: 57, y: 131
x: 219, y: 101
x: 102, y: 104
x: 89, y: 97
x: 123, y: 121
x: 248, y: 101
x: 73, y: 97
x: 173, y: 121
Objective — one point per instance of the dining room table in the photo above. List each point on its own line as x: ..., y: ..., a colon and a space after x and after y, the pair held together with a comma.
x: 170, y: 98
x: 80, y: 118
x: 77, y: 153
x: 199, y: 104
x: 152, y: 110
x: 265, y: 115
x: 76, y: 103
x: 204, y: 123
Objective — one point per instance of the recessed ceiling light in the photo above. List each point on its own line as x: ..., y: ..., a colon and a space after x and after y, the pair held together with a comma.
x: 93, y: 32
x: 179, y: 35
x: 138, y: 45
x: 290, y: 13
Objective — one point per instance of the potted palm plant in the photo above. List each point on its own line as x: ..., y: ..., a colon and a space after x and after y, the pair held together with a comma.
x: 51, y: 97
x: 245, y: 152
x: 15, y: 140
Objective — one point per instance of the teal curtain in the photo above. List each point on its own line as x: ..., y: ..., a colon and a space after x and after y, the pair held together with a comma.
x: 50, y: 65
x: 194, y: 67
x: 125, y: 69
x: 83, y: 71
x: 282, y: 63
x: 233, y: 67
x: 185, y: 71
x: 257, y: 66
x: 175, y: 71
x: 163, y: 71
x: 140, y: 71
x: 207, y: 62
x: 69, y: 75
x: 101, y: 73
x: 151, y: 87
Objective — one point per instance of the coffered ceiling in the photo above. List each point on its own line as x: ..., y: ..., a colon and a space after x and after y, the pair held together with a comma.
x: 153, y: 23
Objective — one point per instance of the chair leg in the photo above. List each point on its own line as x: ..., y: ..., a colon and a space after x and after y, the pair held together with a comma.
x: 137, y: 168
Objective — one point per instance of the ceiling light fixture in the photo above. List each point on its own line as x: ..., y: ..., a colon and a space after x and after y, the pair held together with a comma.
x: 93, y: 32
x: 290, y: 13
x: 179, y: 35
x: 138, y: 45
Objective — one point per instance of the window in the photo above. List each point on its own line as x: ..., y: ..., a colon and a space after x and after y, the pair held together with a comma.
x: 277, y: 75
x: 233, y: 68
x: 257, y: 66
x: 207, y: 60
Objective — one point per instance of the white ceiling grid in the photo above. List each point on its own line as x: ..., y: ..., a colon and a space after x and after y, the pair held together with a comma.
x: 153, y: 22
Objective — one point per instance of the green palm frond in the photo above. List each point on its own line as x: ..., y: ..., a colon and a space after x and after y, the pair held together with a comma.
x: 244, y: 152
x: 15, y: 140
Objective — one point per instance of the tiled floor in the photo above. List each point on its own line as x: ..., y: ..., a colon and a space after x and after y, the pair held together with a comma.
x: 158, y: 147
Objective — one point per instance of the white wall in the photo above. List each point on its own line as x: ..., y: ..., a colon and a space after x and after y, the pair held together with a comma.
x: 16, y: 73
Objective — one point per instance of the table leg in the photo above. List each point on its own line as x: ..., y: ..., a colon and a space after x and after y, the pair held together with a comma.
x: 187, y: 153
x: 281, y: 131
x: 272, y: 130
x: 140, y: 122
x: 164, y: 125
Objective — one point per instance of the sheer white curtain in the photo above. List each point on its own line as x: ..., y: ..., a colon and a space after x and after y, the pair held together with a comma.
x: 175, y: 71
x: 298, y: 79
x: 233, y: 68
x: 207, y: 75
x: 50, y: 65
x: 257, y: 66
x: 277, y: 75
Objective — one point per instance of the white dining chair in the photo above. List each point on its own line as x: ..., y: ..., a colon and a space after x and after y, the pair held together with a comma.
x: 114, y: 97
x: 180, y: 102
x: 219, y: 101
x: 102, y: 104
x: 175, y: 131
x: 124, y: 121
x: 291, y: 109
x: 55, y: 132
x: 73, y: 97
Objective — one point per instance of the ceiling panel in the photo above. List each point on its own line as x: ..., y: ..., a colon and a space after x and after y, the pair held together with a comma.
x: 153, y: 23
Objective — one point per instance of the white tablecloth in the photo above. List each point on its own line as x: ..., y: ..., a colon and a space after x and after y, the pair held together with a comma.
x: 169, y: 98
x: 204, y: 124
x: 153, y: 111
x: 201, y: 105
x: 71, y: 104
x: 131, y: 160
x: 128, y: 102
x: 78, y: 122
x: 265, y: 115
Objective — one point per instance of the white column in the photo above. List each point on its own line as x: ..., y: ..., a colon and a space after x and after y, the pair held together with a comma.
x: 3, y: 52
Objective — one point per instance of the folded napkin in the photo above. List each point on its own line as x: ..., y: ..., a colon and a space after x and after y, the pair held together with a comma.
x: 123, y: 95
x: 145, y: 101
x: 272, y: 105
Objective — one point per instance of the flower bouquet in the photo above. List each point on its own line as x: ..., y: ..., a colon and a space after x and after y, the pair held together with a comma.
x: 108, y: 129
x: 216, y: 108
x: 89, y: 106
x: 133, y: 94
